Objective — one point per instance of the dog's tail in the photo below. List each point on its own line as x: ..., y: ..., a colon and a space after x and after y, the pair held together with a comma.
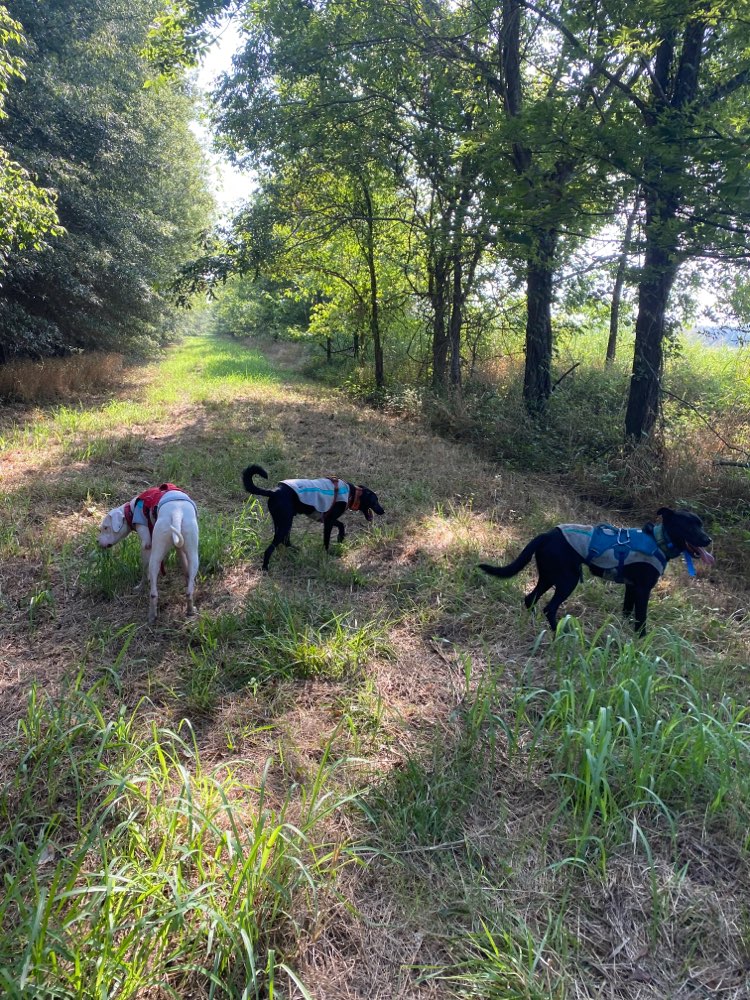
x: 175, y: 527
x: 250, y: 486
x: 523, y: 559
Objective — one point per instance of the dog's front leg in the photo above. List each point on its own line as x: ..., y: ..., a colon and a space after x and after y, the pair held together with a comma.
x: 640, y: 609
x: 628, y: 603
x: 144, y: 536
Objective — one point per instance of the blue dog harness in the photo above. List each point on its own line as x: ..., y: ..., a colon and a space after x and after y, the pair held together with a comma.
x: 611, y: 549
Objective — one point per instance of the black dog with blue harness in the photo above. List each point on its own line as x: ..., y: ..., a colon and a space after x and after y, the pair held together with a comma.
x: 635, y: 557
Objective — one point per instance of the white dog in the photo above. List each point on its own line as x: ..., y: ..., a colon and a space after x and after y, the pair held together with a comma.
x: 163, y: 516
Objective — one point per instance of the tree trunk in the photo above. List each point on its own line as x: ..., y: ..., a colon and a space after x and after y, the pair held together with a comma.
x: 374, y: 305
x: 440, y: 339
x: 537, y: 380
x: 676, y: 76
x: 614, y: 315
x: 456, y: 319
x: 653, y: 296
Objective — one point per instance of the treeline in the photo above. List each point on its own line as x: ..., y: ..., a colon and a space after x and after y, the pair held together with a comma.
x: 103, y: 191
x: 424, y: 163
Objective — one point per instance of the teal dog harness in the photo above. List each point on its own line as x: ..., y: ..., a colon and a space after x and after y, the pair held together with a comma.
x: 611, y: 549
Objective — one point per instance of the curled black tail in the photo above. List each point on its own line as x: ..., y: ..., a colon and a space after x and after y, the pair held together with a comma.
x: 523, y: 559
x: 250, y: 486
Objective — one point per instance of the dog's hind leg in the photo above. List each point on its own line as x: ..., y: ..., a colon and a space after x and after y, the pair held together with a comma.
x: 191, y: 571
x: 564, y: 587
x: 542, y: 586
x: 282, y: 532
x: 153, y: 603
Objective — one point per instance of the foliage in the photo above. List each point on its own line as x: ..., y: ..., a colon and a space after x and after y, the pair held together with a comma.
x: 248, y: 306
x: 128, y: 175
x: 27, y: 212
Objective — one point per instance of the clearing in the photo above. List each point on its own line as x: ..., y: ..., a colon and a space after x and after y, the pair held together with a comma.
x: 392, y: 783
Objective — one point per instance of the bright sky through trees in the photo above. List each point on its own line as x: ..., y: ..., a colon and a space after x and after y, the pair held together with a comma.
x: 232, y: 185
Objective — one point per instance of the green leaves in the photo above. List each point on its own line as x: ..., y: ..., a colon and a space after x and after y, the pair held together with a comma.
x: 127, y: 174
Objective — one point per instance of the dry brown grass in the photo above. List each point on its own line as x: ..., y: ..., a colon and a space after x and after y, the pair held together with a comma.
x: 58, y: 378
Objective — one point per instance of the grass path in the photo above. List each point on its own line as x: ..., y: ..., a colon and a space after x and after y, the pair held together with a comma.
x: 390, y: 784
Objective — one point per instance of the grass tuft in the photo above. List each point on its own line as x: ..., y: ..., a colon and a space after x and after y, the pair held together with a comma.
x: 631, y: 741
x: 130, y: 867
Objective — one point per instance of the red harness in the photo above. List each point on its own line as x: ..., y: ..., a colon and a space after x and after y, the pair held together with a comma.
x: 150, y: 501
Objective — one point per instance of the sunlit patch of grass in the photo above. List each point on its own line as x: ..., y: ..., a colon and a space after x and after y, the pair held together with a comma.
x: 106, y: 449
x: 126, y: 861
x: 277, y: 638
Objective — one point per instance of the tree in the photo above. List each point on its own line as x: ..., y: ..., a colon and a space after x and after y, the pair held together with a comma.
x: 27, y: 212
x: 688, y: 133
x: 622, y: 265
x: 128, y: 173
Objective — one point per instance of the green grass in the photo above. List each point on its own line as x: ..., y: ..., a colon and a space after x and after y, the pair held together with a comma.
x: 276, y: 638
x: 203, y: 370
x: 633, y: 743
x: 129, y: 866
x: 508, y: 787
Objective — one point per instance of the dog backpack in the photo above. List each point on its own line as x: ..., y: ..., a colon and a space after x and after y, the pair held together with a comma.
x: 611, y: 549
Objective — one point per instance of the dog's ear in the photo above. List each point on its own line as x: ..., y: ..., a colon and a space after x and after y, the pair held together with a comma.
x: 663, y: 511
x: 117, y: 519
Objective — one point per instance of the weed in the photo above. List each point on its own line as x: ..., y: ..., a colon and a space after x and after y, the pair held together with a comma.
x: 108, y: 573
x: 506, y: 963
x: 40, y: 601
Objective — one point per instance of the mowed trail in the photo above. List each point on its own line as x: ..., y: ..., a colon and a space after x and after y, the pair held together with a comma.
x: 197, y: 420
x: 62, y: 474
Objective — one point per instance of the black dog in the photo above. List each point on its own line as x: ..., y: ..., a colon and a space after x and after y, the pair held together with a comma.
x: 328, y: 499
x: 635, y: 557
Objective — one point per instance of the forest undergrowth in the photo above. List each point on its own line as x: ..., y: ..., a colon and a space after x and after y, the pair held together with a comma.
x: 363, y: 775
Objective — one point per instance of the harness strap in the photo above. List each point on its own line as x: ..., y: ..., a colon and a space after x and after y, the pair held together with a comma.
x: 355, y: 499
x: 335, y: 481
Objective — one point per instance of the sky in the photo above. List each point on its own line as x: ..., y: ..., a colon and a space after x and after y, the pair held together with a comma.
x: 231, y: 185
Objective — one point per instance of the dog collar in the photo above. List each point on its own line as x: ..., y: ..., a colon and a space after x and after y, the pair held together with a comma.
x: 128, y: 514
x: 665, y: 542
x: 354, y: 498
